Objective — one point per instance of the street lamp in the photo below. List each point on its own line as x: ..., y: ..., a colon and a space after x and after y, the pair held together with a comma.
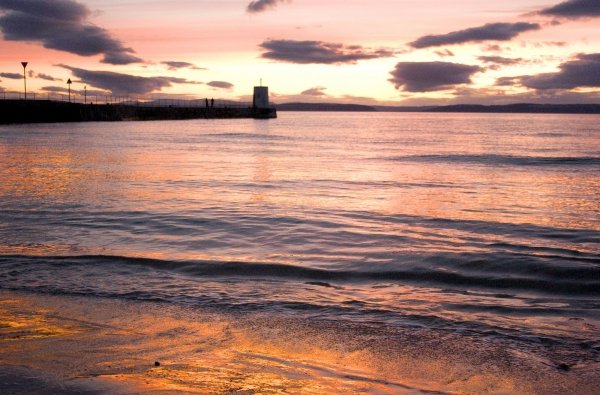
x: 24, y: 64
x: 69, y: 82
x: 85, y: 94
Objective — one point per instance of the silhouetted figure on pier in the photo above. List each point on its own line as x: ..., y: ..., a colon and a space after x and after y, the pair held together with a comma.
x: 206, y: 101
x: 212, y: 103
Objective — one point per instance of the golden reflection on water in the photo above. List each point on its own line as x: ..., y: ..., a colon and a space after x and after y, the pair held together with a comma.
x: 43, y: 173
x: 342, y: 166
x: 262, y: 176
x: 322, y: 170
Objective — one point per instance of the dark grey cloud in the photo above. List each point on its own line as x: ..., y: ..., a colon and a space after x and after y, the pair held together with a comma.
x: 62, y: 25
x: 316, y: 91
x: 508, y: 81
x: 46, y: 77
x: 12, y: 76
x: 125, y: 84
x: 494, y: 48
x: 121, y: 57
x: 305, y: 52
x: 262, y: 5
x: 543, y: 44
x: 490, y: 31
x: 559, y: 44
x: 431, y: 76
x: 493, y: 95
x: 574, y: 9
x: 174, y: 65
x: 444, y: 53
x: 57, y: 89
x: 88, y: 92
x: 582, y: 72
x: 220, y: 84
x: 500, y: 60
x: 497, y: 62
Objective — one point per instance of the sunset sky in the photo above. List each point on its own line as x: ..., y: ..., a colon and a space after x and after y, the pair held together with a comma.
x: 404, y: 52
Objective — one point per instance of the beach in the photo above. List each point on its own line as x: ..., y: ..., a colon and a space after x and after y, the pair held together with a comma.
x: 53, y: 344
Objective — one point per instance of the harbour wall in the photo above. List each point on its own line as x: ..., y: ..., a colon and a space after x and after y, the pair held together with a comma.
x: 45, y: 111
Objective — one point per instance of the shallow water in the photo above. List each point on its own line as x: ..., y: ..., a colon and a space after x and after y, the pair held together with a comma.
x: 481, y: 224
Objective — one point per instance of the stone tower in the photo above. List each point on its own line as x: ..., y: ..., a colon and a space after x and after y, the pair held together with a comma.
x: 261, y: 97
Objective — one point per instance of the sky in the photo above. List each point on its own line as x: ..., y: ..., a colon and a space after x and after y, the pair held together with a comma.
x: 389, y: 52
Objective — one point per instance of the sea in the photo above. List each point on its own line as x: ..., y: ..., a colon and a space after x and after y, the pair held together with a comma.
x: 484, y: 226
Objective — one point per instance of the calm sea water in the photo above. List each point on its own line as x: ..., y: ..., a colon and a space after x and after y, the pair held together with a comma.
x: 485, y: 224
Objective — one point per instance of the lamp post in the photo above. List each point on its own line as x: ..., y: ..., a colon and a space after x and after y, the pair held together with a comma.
x: 85, y: 94
x: 69, y: 82
x: 24, y: 64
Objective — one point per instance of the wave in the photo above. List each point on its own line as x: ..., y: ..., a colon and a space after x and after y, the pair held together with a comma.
x: 229, y: 220
x: 509, y: 272
x: 510, y: 160
x: 525, y: 231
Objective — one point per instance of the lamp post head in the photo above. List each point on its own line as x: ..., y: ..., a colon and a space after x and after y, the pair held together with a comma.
x: 69, y: 81
x: 24, y: 64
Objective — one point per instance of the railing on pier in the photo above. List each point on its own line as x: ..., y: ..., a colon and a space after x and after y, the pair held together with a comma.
x: 139, y: 101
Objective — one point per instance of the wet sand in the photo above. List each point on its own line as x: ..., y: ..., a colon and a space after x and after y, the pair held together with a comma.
x: 59, y: 344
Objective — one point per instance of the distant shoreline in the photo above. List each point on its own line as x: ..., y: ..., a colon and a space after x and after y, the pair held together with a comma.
x: 45, y: 111
x: 517, y: 108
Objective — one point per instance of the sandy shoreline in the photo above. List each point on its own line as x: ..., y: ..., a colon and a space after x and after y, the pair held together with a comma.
x: 60, y: 344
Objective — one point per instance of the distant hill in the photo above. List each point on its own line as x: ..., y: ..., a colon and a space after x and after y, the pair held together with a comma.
x: 323, y: 107
x: 523, y: 108
x: 404, y: 108
x: 476, y: 108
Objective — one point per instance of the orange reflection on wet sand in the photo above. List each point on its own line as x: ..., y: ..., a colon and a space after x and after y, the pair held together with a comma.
x: 17, y: 322
x: 117, y: 342
x: 102, y: 344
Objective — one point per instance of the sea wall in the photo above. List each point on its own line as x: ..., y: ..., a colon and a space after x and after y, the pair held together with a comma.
x: 43, y: 111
